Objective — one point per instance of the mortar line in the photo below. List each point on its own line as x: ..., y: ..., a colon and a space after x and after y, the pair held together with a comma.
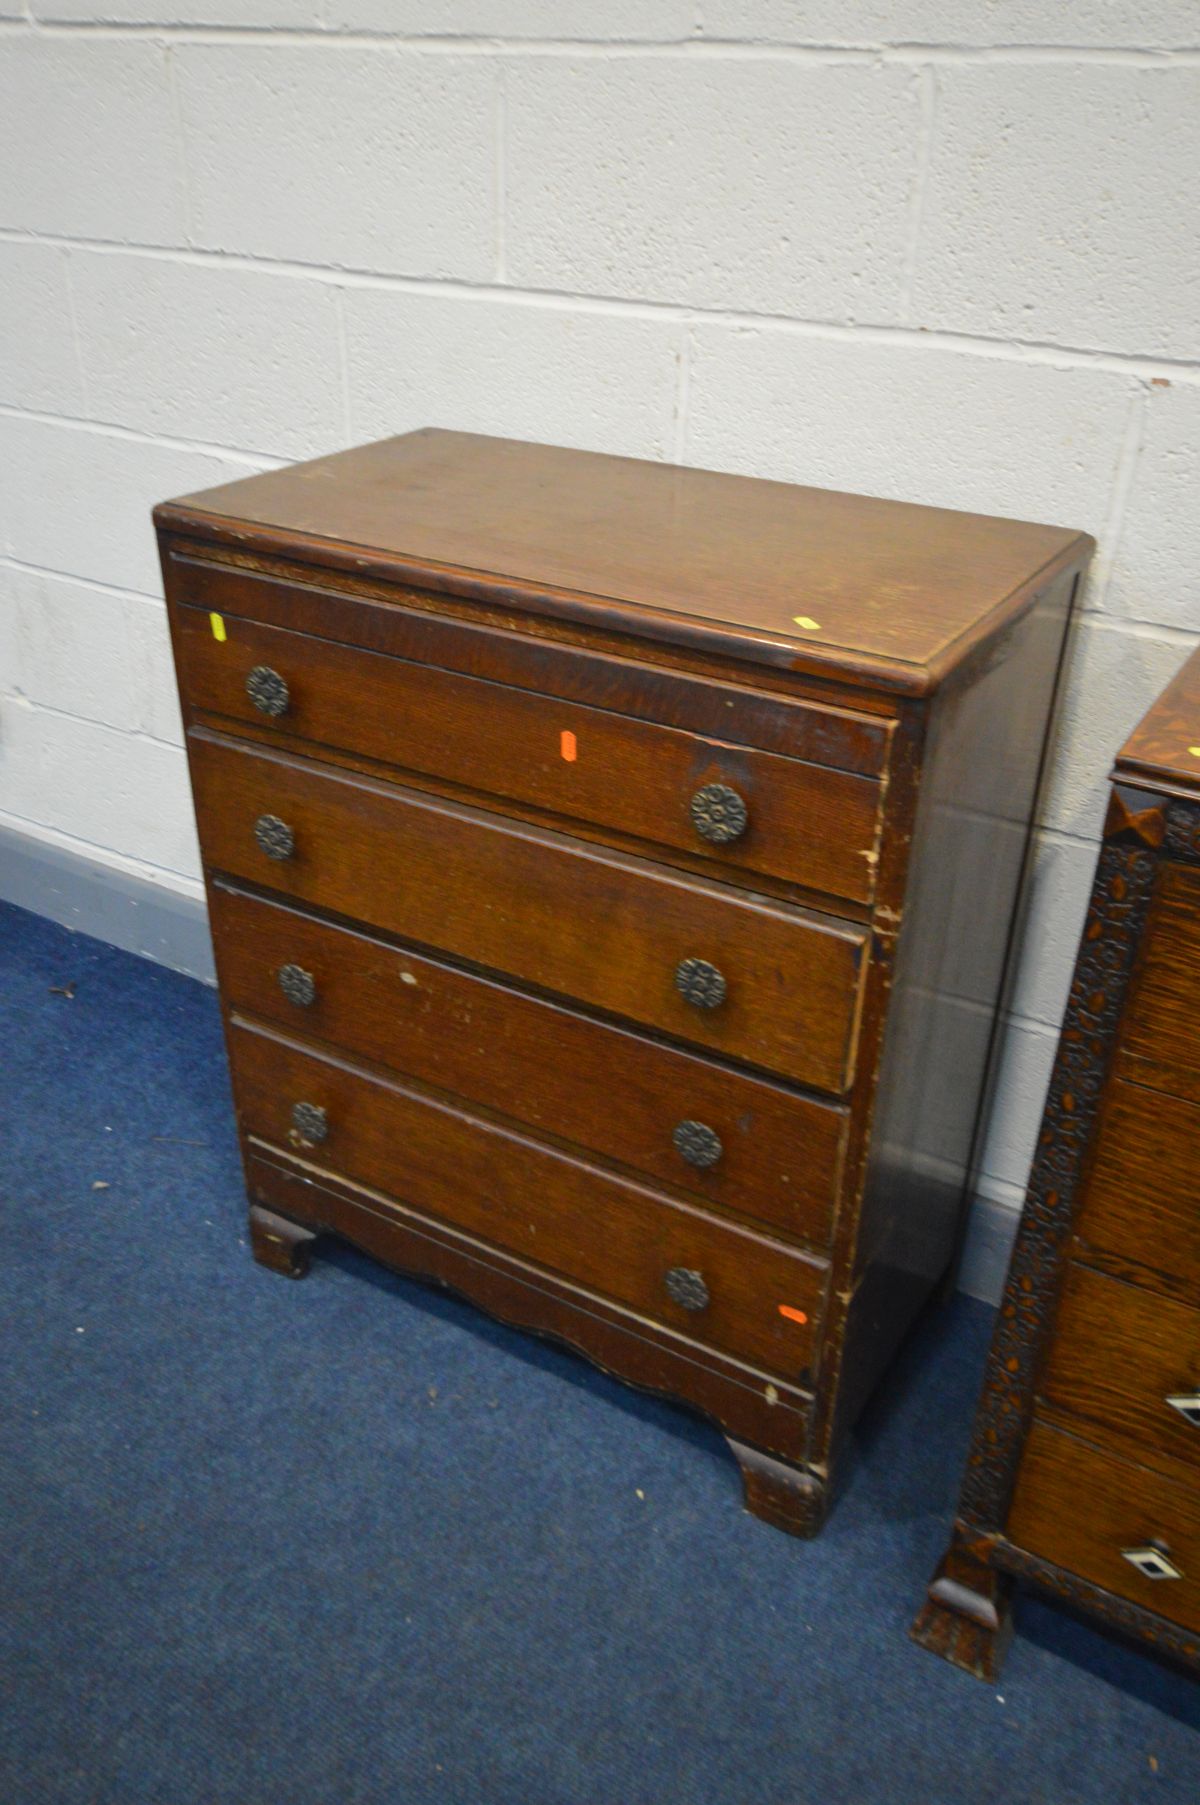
x: 500, y: 177
x: 183, y: 164
x: 927, y: 99
x: 344, y: 361
x: 692, y: 46
x: 683, y: 395
x: 1040, y: 352
x: 1124, y: 474
x: 69, y: 282
x: 254, y: 460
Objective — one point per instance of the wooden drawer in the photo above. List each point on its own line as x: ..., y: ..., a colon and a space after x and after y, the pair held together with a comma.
x: 1159, y: 1044
x: 1140, y: 1213
x: 805, y: 823
x: 592, y: 1226
x: 612, y: 931
x: 1128, y: 1507
x: 1119, y: 1354
x: 614, y: 1092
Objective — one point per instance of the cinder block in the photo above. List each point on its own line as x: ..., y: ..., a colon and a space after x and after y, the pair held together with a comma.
x: 953, y: 22
x: 38, y: 365
x: 762, y: 184
x: 372, y: 159
x: 230, y: 355
x: 1060, y: 885
x: 1061, y: 206
x: 918, y: 422
x: 74, y: 652
x: 661, y: 21
x: 1115, y: 673
x: 520, y: 370
x: 88, y: 139
x: 136, y: 798
x: 156, y: 693
x: 1156, y: 562
x: 78, y: 500
x: 1026, y: 1059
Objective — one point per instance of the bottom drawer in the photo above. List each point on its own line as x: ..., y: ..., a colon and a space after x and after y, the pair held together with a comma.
x: 1087, y: 1512
x: 721, y: 1284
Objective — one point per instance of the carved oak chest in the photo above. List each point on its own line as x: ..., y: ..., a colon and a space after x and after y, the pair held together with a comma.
x: 1083, y: 1472
x: 611, y: 870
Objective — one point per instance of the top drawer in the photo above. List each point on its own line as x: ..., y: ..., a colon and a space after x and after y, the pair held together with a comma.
x: 700, y: 793
x: 1159, y: 1044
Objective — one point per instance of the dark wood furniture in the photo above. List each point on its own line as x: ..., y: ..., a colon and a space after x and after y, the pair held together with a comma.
x: 611, y: 871
x: 1084, y: 1471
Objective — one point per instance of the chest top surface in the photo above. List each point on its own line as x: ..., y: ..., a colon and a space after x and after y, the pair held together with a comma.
x: 1164, y: 747
x: 883, y: 593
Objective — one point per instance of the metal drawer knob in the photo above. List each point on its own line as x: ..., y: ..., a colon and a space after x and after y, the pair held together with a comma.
x: 687, y: 1288
x: 298, y: 986
x: 699, y: 983
x: 719, y: 814
x: 309, y: 1122
x: 699, y: 1144
x: 274, y: 837
x: 1187, y: 1403
x: 268, y: 690
x: 1152, y: 1562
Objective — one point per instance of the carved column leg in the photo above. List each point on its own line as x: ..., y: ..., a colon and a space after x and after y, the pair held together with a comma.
x: 280, y: 1244
x: 967, y: 1615
x: 786, y: 1497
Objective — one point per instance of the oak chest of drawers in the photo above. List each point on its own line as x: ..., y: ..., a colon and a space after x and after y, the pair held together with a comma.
x: 1084, y: 1471
x: 611, y: 872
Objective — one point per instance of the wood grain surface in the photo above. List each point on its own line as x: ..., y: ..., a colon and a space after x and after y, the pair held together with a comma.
x: 545, y: 1204
x: 1079, y: 1508
x: 609, y: 931
x: 896, y: 594
x: 562, y: 1073
x: 805, y: 824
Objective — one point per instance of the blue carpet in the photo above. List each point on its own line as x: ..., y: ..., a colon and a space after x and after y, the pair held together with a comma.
x: 348, y: 1541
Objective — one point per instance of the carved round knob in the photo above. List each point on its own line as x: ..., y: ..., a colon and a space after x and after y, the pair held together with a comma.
x: 309, y: 1122
x: 719, y: 814
x: 699, y: 1144
x: 687, y: 1288
x: 298, y: 986
x: 274, y: 837
x: 699, y: 983
x: 267, y: 690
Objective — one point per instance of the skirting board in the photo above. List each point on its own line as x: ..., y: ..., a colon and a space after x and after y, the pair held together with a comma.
x: 171, y: 929
x: 117, y: 906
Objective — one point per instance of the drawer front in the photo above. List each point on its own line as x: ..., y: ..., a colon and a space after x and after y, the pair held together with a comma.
x: 721, y: 1284
x: 716, y: 800
x: 777, y: 1155
x: 772, y: 985
x: 1086, y: 1511
x: 1120, y: 1356
x: 1140, y: 1212
x: 1159, y: 1042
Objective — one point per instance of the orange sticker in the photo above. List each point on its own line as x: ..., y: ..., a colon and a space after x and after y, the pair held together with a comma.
x: 568, y: 746
x: 799, y: 1316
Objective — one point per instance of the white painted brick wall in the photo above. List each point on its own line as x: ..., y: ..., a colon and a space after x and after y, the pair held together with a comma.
x: 942, y: 250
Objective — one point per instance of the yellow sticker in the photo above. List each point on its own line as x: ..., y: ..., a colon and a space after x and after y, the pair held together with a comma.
x: 807, y: 622
x: 217, y: 623
x: 1195, y: 751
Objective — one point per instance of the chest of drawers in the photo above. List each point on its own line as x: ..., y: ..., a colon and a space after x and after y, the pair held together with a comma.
x: 611, y: 871
x: 1084, y: 1471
